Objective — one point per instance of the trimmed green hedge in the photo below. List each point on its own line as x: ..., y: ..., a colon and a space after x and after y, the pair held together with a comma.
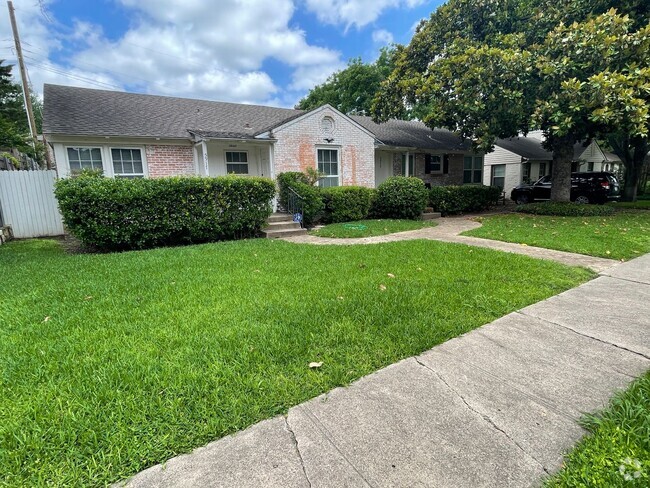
x: 449, y: 200
x: 347, y: 203
x: 400, y: 197
x: 565, y: 209
x: 122, y: 214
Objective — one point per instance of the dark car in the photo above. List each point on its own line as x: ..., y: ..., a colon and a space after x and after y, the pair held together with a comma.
x: 591, y: 187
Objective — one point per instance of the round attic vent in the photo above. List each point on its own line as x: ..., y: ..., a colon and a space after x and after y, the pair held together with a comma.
x: 327, y: 125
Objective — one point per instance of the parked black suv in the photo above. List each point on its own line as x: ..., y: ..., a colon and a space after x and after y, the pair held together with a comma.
x: 591, y: 187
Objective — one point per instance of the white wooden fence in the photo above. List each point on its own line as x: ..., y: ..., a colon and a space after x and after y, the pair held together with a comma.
x: 28, y: 205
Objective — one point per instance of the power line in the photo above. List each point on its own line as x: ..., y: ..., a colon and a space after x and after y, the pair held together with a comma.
x: 103, y: 69
x: 70, y: 75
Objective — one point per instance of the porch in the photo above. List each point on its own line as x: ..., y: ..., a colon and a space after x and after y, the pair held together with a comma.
x: 240, y: 157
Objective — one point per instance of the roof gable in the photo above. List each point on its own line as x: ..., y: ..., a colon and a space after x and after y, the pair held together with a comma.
x: 318, y: 110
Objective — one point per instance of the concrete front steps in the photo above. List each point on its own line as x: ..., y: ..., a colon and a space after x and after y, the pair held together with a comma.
x: 282, y: 225
x: 429, y: 214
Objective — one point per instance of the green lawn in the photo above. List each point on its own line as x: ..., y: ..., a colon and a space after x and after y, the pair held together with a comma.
x: 369, y: 228
x: 639, y: 204
x: 110, y: 363
x: 624, y: 235
x: 617, y: 451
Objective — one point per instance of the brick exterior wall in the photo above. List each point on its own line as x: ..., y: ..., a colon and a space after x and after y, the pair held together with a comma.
x: 167, y: 160
x: 454, y: 177
x: 297, y: 142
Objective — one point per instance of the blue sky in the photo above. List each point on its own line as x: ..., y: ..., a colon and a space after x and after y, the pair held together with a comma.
x: 250, y: 51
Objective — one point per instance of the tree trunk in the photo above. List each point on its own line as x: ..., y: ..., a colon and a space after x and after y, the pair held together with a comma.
x: 561, y: 171
x: 632, y: 151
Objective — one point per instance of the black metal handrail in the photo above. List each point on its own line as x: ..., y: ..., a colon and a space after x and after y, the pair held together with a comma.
x: 295, y: 205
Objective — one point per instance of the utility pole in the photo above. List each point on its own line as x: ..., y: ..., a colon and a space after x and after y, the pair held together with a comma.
x: 23, y: 76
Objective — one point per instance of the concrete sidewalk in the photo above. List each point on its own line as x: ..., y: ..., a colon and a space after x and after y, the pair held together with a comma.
x: 496, y: 407
x: 449, y: 230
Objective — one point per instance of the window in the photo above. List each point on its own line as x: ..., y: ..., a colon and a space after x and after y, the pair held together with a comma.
x: 526, y: 173
x: 127, y: 163
x: 542, y: 169
x: 237, y: 162
x: 432, y: 164
x: 590, y: 166
x: 499, y: 175
x: 411, y: 164
x: 472, y: 169
x: 81, y: 158
x: 328, y: 164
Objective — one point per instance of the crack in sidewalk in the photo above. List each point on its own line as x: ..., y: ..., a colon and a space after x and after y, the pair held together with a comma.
x: 297, y: 448
x: 582, y: 334
x: 486, y: 418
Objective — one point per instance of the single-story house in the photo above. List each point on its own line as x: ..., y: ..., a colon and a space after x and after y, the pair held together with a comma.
x: 135, y: 135
x: 522, y: 159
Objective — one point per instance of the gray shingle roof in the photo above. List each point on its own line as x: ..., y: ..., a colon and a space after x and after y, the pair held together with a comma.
x: 527, y: 147
x: 402, y: 133
x: 87, y: 112
x: 531, y: 148
x: 82, y: 111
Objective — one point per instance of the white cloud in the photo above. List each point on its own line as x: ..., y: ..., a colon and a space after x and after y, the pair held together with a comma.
x: 306, y: 77
x: 187, y: 48
x: 355, y: 12
x: 382, y: 36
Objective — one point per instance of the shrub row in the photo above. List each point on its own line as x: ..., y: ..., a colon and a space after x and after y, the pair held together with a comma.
x: 565, y: 209
x: 347, y: 203
x: 449, y: 200
x: 401, y: 198
x: 122, y: 214
x: 396, y: 198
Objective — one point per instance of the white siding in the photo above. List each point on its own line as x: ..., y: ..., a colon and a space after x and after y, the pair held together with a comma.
x: 28, y: 204
x: 591, y: 154
x: 513, y: 167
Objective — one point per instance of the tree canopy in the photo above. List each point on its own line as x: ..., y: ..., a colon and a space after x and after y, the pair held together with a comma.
x: 14, y: 128
x: 498, y: 74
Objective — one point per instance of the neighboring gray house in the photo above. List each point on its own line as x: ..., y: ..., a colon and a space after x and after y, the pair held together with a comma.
x: 523, y: 159
x: 134, y: 135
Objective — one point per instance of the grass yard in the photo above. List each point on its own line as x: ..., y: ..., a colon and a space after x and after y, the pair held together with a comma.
x: 639, y: 204
x: 617, y: 451
x: 370, y: 228
x: 110, y: 363
x: 624, y: 235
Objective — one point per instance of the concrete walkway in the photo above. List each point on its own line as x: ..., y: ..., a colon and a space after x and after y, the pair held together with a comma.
x: 448, y: 230
x: 496, y: 407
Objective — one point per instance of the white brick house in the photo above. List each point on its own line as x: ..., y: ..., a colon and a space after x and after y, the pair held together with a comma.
x: 134, y: 135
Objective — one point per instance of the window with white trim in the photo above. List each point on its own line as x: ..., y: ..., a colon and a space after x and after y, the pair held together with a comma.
x: 542, y: 169
x: 411, y: 164
x: 473, y: 169
x: 237, y: 162
x: 127, y: 163
x: 435, y: 163
x: 328, y: 164
x: 85, y: 158
x: 499, y: 175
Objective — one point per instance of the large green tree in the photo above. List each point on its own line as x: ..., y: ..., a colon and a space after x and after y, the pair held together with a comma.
x: 582, y: 80
x: 352, y: 89
x: 11, y: 109
x: 14, y: 127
